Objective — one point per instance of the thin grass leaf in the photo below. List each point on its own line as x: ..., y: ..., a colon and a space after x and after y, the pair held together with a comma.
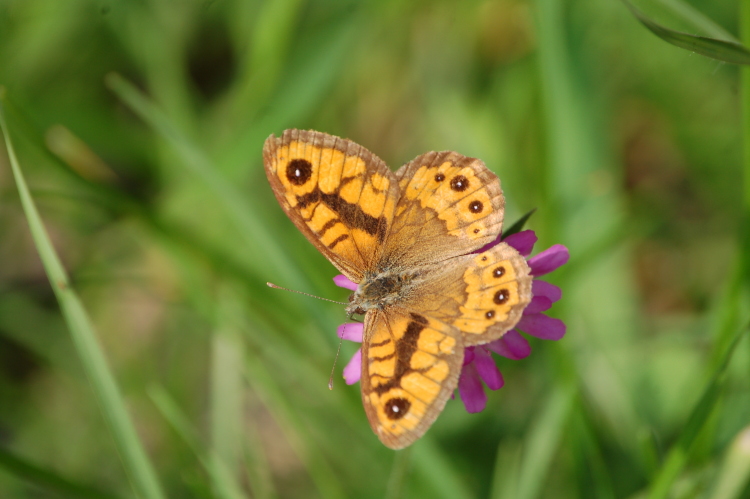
x: 507, y: 466
x: 110, y: 400
x: 678, y: 455
x: 543, y: 441
x: 518, y: 225
x: 734, y: 474
x: 401, y: 462
x: 227, y: 390
x: 273, y: 397
x: 259, y: 474
x: 310, y: 75
x: 696, y: 19
x: 251, y: 229
x: 721, y: 50
x: 47, y: 479
x: 744, y: 235
x: 221, y: 476
x: 432, y: 463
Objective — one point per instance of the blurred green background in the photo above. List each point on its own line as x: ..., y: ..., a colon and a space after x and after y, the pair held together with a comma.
x: 139, y: 127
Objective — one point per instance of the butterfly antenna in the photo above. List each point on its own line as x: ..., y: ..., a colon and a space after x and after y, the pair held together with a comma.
x: 272, y: 285
x: 333, y: 368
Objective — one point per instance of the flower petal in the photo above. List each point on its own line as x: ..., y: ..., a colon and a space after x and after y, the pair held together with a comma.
x: 353, y: 369
x: 351, y: 331
x: 543, y: 288
x: 542, y: 326
x: 489, y: 245
x: 468, y: 355
x: 471, y: 390
x: 522, y: 241
x: 538, y: 304
x: 549, y: 260
x: 343, y: 282
x: 487, y: 369
x: 511, y: 345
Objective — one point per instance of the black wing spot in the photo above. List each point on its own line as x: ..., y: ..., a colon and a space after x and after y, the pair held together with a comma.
x: 397, y: 408
x: 299, y: 171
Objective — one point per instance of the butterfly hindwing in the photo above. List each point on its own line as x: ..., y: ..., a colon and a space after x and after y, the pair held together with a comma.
x: 497, y: 290
x: 339, y: 194
x: 481, y: 294
x: 410, y: 368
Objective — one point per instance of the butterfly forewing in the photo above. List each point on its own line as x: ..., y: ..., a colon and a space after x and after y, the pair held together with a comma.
x: 340, y: 195
x: 450, y: 205
x: 410, y: 368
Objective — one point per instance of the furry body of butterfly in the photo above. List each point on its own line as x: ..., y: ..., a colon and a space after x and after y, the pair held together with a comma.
x: 411, y: 241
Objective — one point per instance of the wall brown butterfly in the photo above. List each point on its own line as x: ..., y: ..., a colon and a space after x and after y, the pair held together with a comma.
x: 410, y: 240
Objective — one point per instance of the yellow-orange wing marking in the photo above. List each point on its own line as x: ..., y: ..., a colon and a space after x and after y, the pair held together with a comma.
x: 410, y: 367
x: 340, y: 195
x: 450, y: 205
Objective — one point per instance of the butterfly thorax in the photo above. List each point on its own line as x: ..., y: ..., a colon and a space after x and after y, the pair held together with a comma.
x: 381, y: 289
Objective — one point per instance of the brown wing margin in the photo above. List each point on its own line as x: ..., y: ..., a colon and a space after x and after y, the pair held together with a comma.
x: 337, y: 193
x: 410, y: 368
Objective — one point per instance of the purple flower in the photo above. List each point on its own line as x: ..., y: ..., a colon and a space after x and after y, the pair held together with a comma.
x: 478, y: 365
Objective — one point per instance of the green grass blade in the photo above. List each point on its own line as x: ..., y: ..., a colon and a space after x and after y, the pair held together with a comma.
x: 722, y: 50
x: 678, y: 455
x: 227, y: 391
x: 744, y: 236
x: 543, y: 441
x: 225, y: 486
x: 518, y: 225
x: 251, y: 228
x: 41, y: 477
x: 399, y: 470
x: 134, y: 457
x: 274, y: 398
x: 735, y: 471
x: 432, y: 463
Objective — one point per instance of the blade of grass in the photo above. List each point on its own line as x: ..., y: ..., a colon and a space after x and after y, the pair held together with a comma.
x: 697, y: 19
x: 273, y: 397
x: 221, y: 476
x: 507, y: 470
x: 259, y: 474
x: 250, y: 227
x: 430, y: 461
x: 744, y: 235
x: 49, y: 480
x: 312, y: 73
x: 543, y: 440
x: 135, y: 459
x: 401, y: 460
x: 735, y: 470
x: 722, y: 50
x: 678, y: 455
x: 227, y: 393
x: 519, y: 224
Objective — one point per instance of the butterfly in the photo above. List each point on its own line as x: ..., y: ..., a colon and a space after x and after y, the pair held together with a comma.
x: 414, y: 242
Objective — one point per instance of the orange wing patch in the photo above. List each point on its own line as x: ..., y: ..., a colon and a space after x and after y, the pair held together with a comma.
x: 340, y: 195
x: 410, y: 368
x: 498, y: 288
x: 459, y: 190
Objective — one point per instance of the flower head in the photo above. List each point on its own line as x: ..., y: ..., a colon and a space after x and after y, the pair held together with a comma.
x: 478, y: 365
